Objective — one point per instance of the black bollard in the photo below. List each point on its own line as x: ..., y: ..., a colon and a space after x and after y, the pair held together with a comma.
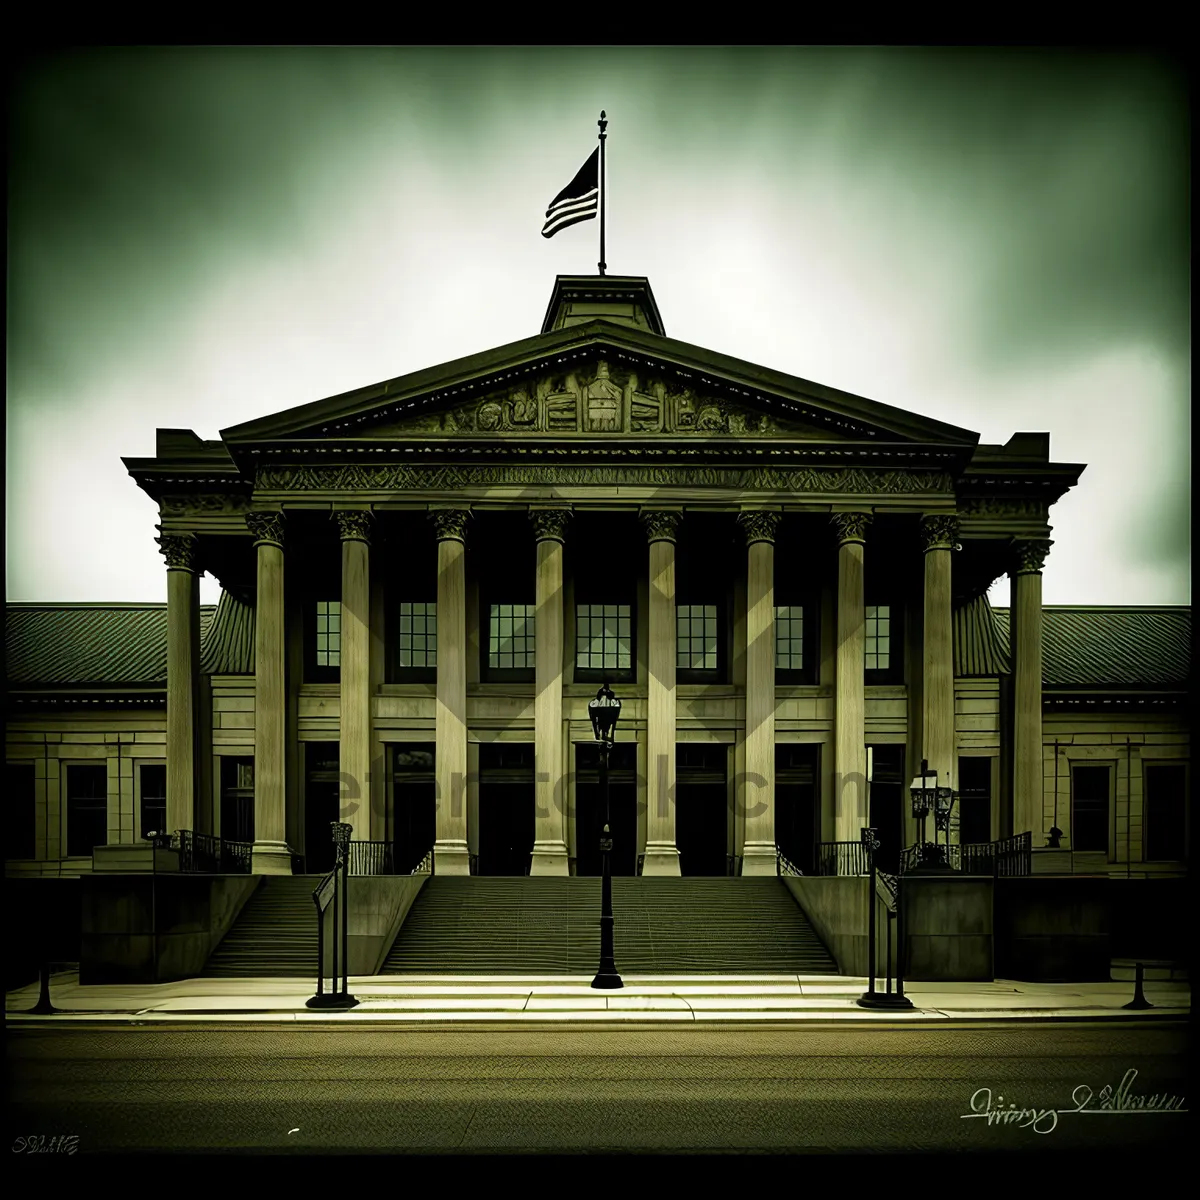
x: 1139, y: 997
x: 43, y: 1005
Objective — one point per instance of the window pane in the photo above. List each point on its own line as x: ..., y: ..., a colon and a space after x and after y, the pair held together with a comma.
x: 1165, y: 815
x: 1090, y: 788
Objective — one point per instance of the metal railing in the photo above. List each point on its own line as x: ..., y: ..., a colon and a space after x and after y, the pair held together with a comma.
x: 841, y: 858
x: 425, y: 866
x: 1006, y: 857
x: 786, y: 867
x: 207, y: 854
x: 372, y: 858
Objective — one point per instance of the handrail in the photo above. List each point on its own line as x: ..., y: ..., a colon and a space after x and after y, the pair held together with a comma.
x: 841, y: 858
x: 207, y: 854
x: 785, y: 867
x: 323, y: 895
x: 372, y: 858
x: 425, y: 866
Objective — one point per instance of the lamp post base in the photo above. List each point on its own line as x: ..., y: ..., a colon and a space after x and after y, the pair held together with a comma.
x: 883, y: 1000
x: 334, y: 1000
x: 608, y: 979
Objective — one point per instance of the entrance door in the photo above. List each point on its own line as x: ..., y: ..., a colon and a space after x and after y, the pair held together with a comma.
x: 322, y: 804
x: 797, y: 806
x: 237, y: 799
x: 589, y: 810
x: 413, y: 804
x: 701, y: 807
x: 506, y: 816
x: 887, y: 793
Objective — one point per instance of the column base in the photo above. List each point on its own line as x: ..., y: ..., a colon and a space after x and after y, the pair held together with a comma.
x: 549, y: 858
x: 661, y: 859
x: 270, y: 858
x: 760, y: 858
x: 451, y: 858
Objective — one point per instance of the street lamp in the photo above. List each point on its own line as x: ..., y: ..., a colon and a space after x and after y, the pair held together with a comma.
x: 928, y: 797
x: 604, y: 711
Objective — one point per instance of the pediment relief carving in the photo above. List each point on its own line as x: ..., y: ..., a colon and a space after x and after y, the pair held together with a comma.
x: 603, y: 398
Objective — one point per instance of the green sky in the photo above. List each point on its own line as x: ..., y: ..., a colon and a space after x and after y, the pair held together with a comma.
x: 995, y: 238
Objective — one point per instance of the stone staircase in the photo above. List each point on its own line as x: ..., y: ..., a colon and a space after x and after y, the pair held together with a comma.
x: 663, y: 926
x: 275, y: 934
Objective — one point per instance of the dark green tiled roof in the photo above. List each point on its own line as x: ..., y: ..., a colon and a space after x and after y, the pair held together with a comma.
x: 229, y: 647
x: 81, y: 644
x: 1086, y: 646
x: 978, y: 648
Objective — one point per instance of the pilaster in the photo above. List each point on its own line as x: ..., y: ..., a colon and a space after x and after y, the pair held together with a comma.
x: 354, y: 528
x: 1026, y: 571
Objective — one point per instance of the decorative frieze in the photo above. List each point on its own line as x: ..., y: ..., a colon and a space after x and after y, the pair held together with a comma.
x: 661, y: 525
x: 450, y: 523
x: 851, y: 526
x: 1029, y: 555
x: 550, y: 523
x: 1002, y: 507
x: 759, y: 526
x: 266, y: 527
x: 354, y: 525
x: 179, y: 550
x: 938, y: 532
x: 389, y: 477
x: 202, y: 502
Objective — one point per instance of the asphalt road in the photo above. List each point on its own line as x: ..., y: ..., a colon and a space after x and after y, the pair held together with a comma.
x: 324, y: 1089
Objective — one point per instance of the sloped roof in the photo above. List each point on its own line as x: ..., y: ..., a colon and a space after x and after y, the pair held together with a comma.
x: 1094, y: 646
x: 978, y: 646
x: 229, y: 647
x: 80, y: 644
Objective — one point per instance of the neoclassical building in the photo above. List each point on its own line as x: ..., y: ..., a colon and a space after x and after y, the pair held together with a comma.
x: 426, y: 580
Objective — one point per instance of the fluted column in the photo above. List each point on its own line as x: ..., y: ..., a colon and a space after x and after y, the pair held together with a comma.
x: 850, y: 702
x: 662, y: 855
x: 760, y: 856
x: 271, y: 855
x: 354, y: 706
x: 1028, y: 556
x: 183, y: 636
x: 937, y: 679
x: 450, y: 853
x: 550, y: 834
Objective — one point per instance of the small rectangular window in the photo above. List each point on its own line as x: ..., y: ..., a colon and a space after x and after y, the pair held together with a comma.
x: 418, y: 635
x: 21, y: 805
x: 237, y: 799
x: 603, y: 636
x: 879, y: 637
x: 329, y: 633
x: 87, y: 808
x: 1165, y: 790
x: 1090, y: 799
x: 789, y: 638
x: 153, y: 785
x: 511, y: 642
x: 696, y: 637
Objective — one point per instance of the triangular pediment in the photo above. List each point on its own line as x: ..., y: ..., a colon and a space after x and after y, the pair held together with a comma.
x: 599, y: 380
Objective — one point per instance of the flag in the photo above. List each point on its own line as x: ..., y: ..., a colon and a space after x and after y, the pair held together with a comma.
x: 578, y: 201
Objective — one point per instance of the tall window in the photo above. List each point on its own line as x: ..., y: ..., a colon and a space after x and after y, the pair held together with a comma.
x: 329, y: 633
x: 153, y: 784
x: 237, y: 799
x: 696, y: 637
x: 417, y: 636
x: 511, y: 637
x: 603, y: 637
x: 789, y: 638
x: 879, y: 637
x: 1089, y: 800
x: 1165, y: 789
x: 21, y: 809
x: 87, y: 808
x: 974, y: 799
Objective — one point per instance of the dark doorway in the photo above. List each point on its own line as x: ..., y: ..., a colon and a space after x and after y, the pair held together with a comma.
x: 322, y: 804
x: 797, y: 804
x: 887, y: 792
x: 506, y: 816
x: 237, y: 799
x: 701, y: 808
x: 1090, y: 788
x: 413, y: 804
x: 974, y: 800
x: 589, y: 809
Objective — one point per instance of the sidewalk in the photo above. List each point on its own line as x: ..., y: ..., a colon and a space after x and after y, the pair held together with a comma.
x: 393, y: 999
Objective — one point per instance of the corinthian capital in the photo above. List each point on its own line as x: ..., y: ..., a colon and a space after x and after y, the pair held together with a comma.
x: 1029, y: 555
x: 267, y: 527
x: 354, y: 525
x: 851, y: 526
x: 939, y: 532
x: 450, y: 523
x: 179, y: 549
x: 550, y: 523
x: 759, y: 526
x: 661, y: 524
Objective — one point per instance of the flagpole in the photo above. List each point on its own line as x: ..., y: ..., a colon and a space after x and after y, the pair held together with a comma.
x: 603, y: 123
